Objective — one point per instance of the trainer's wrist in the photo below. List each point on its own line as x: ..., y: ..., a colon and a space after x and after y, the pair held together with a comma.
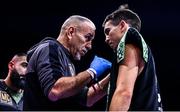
x: 92, y: 73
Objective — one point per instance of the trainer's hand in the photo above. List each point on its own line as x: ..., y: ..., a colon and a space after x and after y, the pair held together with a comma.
x: 99, y: 66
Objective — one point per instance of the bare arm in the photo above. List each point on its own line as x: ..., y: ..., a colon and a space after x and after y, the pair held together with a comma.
x: 97, y: 91
x: 129, y: 69
x: 69, y: 86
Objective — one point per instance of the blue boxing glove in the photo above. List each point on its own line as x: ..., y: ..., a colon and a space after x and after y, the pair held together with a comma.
x: 99, y: 65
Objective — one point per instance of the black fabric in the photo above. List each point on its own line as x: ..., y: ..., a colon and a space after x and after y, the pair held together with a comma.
x: 82, y: 96
x: 146, y: 89
x: 47, y: 62
x: 7, y: 103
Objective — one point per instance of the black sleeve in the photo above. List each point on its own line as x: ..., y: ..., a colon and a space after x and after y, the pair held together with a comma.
x: 133, y: 37
x: 48, y: 66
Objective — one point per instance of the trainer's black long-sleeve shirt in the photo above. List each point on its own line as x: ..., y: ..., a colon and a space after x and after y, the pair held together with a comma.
x: 47, y: 62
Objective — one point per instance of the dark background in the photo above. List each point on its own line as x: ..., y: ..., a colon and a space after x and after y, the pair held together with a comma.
x: 24, y: 23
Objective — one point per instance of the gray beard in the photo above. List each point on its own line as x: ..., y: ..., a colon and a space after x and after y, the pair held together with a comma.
x: 77, y: 56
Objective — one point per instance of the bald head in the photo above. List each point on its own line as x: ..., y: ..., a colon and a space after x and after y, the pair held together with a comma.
x: 76, y: 21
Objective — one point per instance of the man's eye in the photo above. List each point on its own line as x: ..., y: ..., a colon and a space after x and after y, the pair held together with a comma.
x: 88, y: 38
x: 107, y: 31
x: 24, y: 64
